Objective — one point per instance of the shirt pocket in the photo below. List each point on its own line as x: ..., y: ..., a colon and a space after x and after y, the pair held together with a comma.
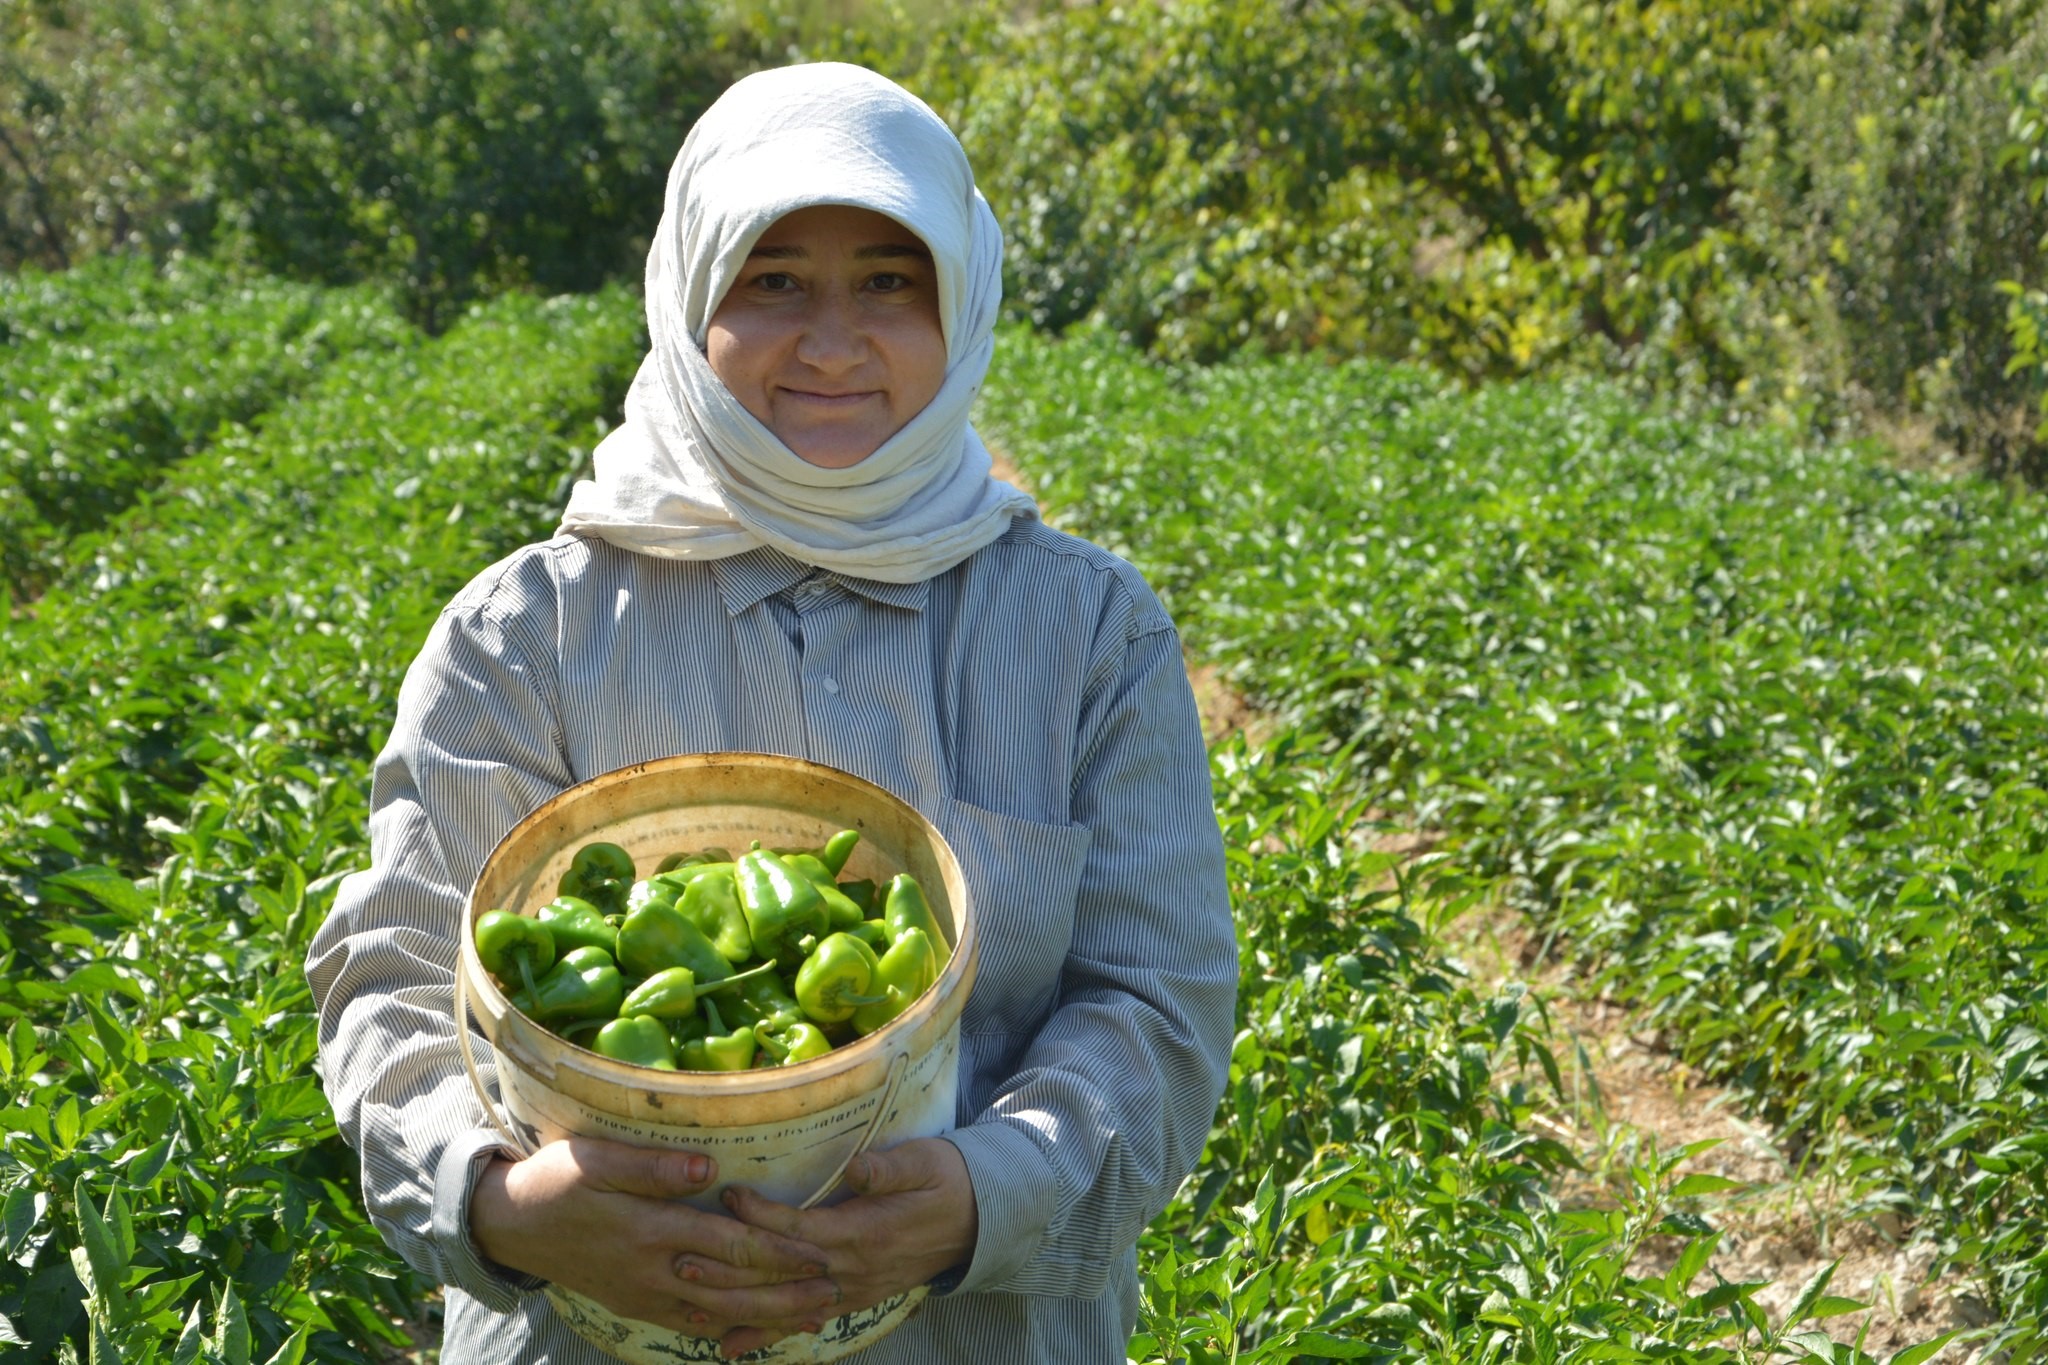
x: 1023, y: 876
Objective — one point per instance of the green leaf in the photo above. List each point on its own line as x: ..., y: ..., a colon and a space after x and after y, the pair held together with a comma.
x: 1331, y: 1347
x: 190, y: 1340
x: 107, y: 886
x: 1914, y: 1355
x: 1699, y: 1184
x: 1692, y: 1258
x: 1809, y: 1294
x: 104, y: 1351
x: 102, y: 1252
x: 22, y: 1210
x: 293, y: 1351
x: 230, y: 1329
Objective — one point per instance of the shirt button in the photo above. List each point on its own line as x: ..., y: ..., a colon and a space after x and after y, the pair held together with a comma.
x: 830, y: 684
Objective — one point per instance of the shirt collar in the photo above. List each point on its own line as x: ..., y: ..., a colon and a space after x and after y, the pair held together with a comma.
x: 747, y: 579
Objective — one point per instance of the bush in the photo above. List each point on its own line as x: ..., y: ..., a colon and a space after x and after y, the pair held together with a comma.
x: 455, y: 146
x: 1885, y: 226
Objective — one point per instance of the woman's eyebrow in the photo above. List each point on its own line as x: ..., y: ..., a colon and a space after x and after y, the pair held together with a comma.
x: 881, y: 251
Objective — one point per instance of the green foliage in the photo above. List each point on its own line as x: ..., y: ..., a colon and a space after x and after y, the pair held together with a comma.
x: 1753, y: 727
x: 1704, y: 196
x: 1885, y: 226
x: 1497, y: 187
x: 1375, y: 1188
x: 2026, y: 317
x: 178, y: 804
x: 452, y: 146
x: 99, y: 398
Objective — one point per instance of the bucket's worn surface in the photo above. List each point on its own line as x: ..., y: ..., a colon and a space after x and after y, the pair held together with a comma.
x: 786, y: 1131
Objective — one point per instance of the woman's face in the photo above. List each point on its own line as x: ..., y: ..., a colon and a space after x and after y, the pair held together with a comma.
x: 830, y: 334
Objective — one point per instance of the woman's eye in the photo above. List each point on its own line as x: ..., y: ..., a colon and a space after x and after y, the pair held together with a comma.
x: 775, y: 282
x: 887, y: 282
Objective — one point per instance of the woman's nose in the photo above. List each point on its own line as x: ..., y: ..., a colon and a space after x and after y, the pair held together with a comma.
x: 832, y: 338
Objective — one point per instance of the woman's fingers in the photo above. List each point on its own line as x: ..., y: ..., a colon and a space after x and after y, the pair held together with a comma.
x: 651, y: 1172
x: 711, y: 1310
x: 762, y: 1254
x: 606, y: 1220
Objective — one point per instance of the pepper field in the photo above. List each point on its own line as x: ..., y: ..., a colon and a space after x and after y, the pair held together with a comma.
x: 1749, y: 733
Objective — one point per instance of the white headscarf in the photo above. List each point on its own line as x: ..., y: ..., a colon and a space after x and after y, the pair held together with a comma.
x: 691, y: 474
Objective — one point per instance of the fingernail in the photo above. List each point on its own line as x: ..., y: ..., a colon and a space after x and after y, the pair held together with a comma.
x: 814, y: 1269
x: 699, y: 1318
x: 697, y: 1168
x: 731, y: 1197
x: 690, y: 1270
x: 812, y: 1326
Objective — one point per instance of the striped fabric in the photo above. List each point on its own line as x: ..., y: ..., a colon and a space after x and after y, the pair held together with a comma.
x: 1031, y: 702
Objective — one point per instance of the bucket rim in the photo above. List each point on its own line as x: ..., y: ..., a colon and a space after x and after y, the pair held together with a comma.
x: 875, y: 1049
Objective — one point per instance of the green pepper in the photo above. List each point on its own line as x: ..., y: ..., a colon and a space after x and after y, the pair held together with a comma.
x: 658, y: 888
x: 862, y: 893
x: 585, y: 983
x: 904, y: 908
x: 639, y: 1040
x: 765, y: 1000
x: 840, y: 911
x: 785, y: 913
x: 838, y: 849
x: 656, y: 937
x: 513, y: 947
x: 789, y: 1044
x: 905, y: 972
x: 712, y: 903
x: 576, y: 923
x: 600, y: 873
x: 874, y: 933
x: 681, y: 1031
x: 675, y: 861
x: 719, y: 1050
x: 836, y: 979
x: 673, y: 992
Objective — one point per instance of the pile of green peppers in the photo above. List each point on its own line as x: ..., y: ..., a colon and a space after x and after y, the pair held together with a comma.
x: 717, y: 963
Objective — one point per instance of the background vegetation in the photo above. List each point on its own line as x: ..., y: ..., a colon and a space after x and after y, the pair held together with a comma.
x: 1824, y: 210
x: 1469, y: 377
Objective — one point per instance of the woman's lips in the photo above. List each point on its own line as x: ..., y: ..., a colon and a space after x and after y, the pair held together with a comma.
x: 831, y: 400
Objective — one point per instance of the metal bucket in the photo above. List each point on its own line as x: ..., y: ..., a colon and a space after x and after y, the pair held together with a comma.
x: 786, y: 1131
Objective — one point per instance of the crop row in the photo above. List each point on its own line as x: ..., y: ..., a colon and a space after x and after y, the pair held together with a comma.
x: 1755, y: 728
x: 171, y: 1169
x: 93, y: 412
x: 175, y: 813
x: 107, y: 292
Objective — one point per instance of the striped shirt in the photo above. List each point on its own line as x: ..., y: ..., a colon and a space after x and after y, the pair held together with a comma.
x: 1031, y: 702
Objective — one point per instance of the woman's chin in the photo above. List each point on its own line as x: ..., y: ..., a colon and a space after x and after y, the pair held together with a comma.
x: 833, y: 454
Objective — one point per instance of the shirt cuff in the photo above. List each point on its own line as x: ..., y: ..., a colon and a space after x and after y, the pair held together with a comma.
x: 465, y: 1267
x: 1014, y: 1195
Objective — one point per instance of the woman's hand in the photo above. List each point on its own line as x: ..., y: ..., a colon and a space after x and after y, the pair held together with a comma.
x: 913, y: 1217
x: 601, y: 1218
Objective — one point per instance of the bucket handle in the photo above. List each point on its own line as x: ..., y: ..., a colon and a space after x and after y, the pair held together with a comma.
x: 476, y: 1082
x: 899, y: 1067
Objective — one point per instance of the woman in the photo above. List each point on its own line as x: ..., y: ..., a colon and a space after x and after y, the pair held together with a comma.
x: 794, y: 544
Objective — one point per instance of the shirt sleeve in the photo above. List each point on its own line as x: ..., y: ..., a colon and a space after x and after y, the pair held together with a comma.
x: 473, y: 748
x: 1108, y: 1112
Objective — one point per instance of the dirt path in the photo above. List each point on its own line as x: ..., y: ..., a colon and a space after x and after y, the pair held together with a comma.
x: 1630, y: 1095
